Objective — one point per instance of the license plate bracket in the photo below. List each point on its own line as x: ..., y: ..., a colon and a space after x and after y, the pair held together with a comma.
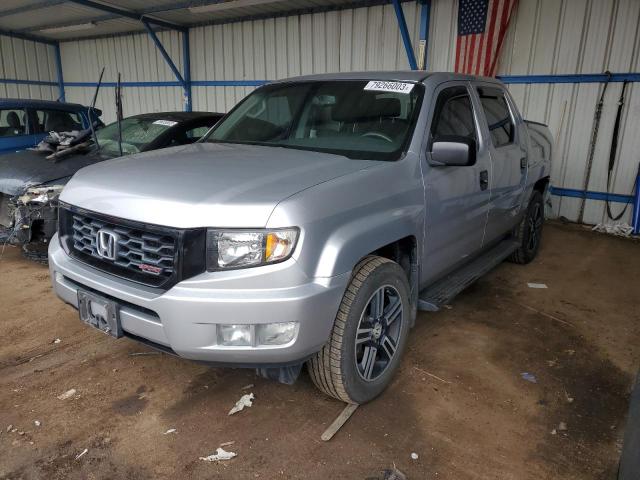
x: 100, y: 313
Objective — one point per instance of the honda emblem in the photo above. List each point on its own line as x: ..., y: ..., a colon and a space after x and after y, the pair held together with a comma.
x: 107, y: 244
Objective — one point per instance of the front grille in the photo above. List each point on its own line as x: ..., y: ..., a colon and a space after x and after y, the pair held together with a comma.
x: 152, y: 255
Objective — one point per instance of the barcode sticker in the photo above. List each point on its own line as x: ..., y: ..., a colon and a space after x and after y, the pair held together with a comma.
x: 380, y: 86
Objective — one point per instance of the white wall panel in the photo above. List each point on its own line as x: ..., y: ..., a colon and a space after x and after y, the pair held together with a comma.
x: 26, y: 60
x: 137, y: 59
x: 553, y: 37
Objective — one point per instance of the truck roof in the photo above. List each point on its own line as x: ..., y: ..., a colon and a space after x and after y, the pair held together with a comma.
x: 397, y: 75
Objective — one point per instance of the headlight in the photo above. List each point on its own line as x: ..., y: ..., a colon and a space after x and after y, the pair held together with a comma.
x: 42, y: 195
x: 228, y: 249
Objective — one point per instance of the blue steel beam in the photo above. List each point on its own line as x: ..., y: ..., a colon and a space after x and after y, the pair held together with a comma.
x: 186, y: 55
x: 59, y: 70
x: 26, y: 36
x: 425, y: 18
x: 164, y: 53
x: 128, y: 14
x: 404, y: 32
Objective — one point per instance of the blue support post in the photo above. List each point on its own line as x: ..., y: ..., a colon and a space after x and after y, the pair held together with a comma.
x: 61, y: 96
x: 425, y: 18
x: 186, y: 55
x: 186, y: 85
x: 404, y: 32
x: 636, y: 205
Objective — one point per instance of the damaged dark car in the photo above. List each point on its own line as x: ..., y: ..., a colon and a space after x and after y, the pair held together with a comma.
x: 31, y: 180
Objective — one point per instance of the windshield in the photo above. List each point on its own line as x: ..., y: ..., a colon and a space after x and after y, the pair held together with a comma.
x: 137, y: 133
x: 358, y: 119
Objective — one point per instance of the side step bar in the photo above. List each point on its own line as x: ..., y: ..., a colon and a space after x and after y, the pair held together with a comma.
x: 432, y: 298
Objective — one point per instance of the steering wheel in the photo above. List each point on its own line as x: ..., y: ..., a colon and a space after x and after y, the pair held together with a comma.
x: 377, y: 135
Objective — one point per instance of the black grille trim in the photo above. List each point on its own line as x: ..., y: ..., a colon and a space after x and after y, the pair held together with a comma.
x: 168, y: 255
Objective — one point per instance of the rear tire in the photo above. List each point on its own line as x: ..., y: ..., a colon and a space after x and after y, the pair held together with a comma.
x: 529, y: 232
x: 369, y: 334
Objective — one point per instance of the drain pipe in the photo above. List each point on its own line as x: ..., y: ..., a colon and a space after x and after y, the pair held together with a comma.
x: 636, y: 205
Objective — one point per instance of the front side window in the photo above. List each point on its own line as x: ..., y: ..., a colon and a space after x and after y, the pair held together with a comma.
x: 453, y: 115
x: 57, y: 121
x: 12, y: 122
x: 350, y: 118
x: 496, y: 111
x: 137, y: 133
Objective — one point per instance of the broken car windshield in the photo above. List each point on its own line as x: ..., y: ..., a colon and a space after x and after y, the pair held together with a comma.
x: 137, y: 133
x: 358, y: 119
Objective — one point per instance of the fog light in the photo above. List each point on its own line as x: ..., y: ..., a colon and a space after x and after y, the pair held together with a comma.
x: 276, y: 333
x: 234, y: 335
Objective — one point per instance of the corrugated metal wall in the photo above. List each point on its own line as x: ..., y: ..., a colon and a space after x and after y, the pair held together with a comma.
x: 26, y: 60
x: 334, y: 41
x: 552, y: 37
x: 137, y: 59
x: 546, y: 37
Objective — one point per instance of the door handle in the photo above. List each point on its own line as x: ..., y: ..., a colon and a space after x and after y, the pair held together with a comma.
x: 484, y: 180
x: 523, y: 163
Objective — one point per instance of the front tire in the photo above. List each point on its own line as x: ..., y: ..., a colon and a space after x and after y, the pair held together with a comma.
x: 369, y: 334
x: 529, y: 232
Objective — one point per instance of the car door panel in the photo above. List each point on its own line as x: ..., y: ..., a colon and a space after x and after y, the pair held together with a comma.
x: 457, y: 200
x: 499, y: 123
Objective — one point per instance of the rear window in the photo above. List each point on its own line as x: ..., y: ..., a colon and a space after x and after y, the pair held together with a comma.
x: 57, y: 121
x: 496, y: 110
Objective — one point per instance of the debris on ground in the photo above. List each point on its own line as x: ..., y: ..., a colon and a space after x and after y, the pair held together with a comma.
x: 247, y: 387
x: 414, y: 456
x: 220, y: 455
x: 568, y: 397
x: 56, y: 341
x: 171, y: 430
x: 37, y: 423
x: 554, y: 432
x: 9, y: 428
x: 82, y: 453
x: 393, y: 474
x: 529, y: 377
x: 537, y: 285
x: 67, y: 394
x: 245, y: 401
x: 562, y: 427
x: 138, y: 354
x: 226, y: 444
x: 339, y: 421
x: 619, y: 229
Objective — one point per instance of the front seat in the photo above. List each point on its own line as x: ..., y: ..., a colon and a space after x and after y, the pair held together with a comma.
x: 14, y: 123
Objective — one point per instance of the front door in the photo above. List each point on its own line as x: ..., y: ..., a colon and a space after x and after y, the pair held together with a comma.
x: 457, y: 197
x: 507, y: 157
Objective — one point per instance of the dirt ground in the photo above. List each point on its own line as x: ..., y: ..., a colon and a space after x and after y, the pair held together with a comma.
x: 459, y: 400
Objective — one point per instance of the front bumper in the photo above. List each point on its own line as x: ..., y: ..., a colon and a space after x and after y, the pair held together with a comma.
x: 185, y: 318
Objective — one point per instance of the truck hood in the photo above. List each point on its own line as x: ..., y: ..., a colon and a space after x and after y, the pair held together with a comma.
x: 203, y: 185
x: 27, y: 168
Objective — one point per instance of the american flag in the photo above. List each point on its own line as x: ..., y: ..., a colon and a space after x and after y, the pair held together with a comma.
x: 482, y: 25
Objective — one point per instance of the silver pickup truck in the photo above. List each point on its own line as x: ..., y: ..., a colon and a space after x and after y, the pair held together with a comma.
x: 309, y: 225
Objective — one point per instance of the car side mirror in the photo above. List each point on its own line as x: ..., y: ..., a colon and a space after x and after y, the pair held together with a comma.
x: 453, y: 150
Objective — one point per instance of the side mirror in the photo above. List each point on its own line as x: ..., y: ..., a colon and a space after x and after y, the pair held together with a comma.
x: 453, y: 151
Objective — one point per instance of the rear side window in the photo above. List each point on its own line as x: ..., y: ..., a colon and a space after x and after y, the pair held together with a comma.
x: 57, y: 121
x: 453, y: 114
x: 496, y: 110
x: 13, y: 122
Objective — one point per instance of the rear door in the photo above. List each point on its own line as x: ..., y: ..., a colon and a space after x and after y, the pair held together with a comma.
x: 499, y: 122
x: 457, y: 197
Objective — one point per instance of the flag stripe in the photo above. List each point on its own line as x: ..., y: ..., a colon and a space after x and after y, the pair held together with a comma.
x: 482, y: 26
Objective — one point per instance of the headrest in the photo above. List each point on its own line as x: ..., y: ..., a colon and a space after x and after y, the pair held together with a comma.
x: 387, y: 107
x: 13, y: 120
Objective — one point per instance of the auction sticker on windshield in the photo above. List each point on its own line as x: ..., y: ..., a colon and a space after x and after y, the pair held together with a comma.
x: 166, y: 123
x: 380, y: 86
